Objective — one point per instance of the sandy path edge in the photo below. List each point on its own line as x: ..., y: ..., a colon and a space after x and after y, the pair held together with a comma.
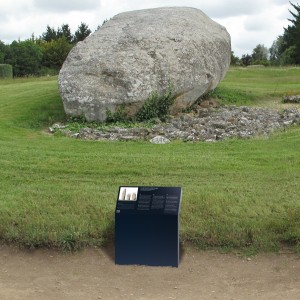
x: 92, y: 274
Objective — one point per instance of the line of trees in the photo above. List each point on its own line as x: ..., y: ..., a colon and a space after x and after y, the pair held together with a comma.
x: 285, y: 50
x: 46, y: 54
x: 43, y: 55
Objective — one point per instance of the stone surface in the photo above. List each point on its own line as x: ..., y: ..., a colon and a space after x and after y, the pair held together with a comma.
x: 207, y: 124
x: 159, y: 140
x: 291, y: 99
x: 56, y: 126
x: 139, y: 52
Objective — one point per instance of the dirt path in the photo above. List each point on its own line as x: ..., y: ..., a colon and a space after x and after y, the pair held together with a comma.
x: 92, y: 274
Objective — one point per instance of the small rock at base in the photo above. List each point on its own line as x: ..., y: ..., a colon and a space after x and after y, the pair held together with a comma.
x: 159, y: 140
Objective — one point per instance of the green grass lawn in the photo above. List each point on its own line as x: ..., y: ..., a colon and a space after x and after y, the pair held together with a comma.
x: 263, y: 86
x: 61, y: 192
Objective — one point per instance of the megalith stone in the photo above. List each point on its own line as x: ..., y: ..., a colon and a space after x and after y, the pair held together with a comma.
x: 140, y: 52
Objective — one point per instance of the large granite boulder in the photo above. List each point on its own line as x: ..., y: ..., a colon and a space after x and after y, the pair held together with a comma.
x: 140, y: 52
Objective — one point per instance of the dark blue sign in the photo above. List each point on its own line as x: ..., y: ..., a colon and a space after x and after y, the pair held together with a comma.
x: 147, y: 226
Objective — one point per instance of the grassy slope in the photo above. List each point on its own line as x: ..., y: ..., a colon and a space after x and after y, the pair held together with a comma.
x: 265, y: 81
x: 61, y: 192
x: 263, y: 86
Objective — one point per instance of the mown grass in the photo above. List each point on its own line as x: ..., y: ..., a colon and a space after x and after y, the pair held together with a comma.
x: 263, y: 86
x: 61, y: 192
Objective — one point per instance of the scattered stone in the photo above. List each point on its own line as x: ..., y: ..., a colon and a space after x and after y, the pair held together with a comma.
x: 56, y: 126
x: 291, y: 99
x: 140, y: 52
x: 214, y: 125
x: 75, y: 135
x: 159, y: 140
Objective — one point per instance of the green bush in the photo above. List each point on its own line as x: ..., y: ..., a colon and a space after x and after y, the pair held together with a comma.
x: 118, y: 116
x: 263, y: 62
x: 288, y: 56
x: 157, y: 106
x: 6, y: 71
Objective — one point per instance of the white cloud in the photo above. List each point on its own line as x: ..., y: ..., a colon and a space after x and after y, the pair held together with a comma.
x: 213, y: 8
x: 62, y: 6
x: 279, y: 2
x: 18, y: 8
x: 248, y: 22
x: 256, y: 23
x: 218, y: 9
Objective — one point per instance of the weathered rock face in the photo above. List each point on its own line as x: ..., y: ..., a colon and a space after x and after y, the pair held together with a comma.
x: 136, y: 53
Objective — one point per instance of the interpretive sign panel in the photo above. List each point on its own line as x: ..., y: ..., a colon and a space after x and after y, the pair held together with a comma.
x: 147, y: 226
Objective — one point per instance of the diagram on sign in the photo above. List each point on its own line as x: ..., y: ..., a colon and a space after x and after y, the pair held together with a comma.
x: 128, y: 193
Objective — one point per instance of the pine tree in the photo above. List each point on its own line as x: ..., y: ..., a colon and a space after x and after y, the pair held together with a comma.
x: 65, y: 31
x: 82, y: 32
x: 291, y: 36
x: 50, y: 34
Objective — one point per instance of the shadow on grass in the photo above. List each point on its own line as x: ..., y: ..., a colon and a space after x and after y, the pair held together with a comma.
x: 109, y: 241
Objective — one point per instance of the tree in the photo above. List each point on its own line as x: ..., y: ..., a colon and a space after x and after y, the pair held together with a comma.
x: 3, y: 51
x: 82, y: 32
x: 276, y: 50
x: 25, y: 57
x: 260, y: 54
x: 50, y: 34
x: 291, y: 36
x: 66, y: 32
x: 55, y: 52
x: 288, y: 56
x: 246, y: 59
x: 234, y: 59
x: 56, y: 45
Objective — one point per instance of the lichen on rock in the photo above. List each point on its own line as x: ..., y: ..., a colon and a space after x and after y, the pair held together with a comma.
x: 137, y: 53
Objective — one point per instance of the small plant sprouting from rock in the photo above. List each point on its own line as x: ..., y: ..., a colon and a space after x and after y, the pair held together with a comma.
x: 157, y: 106
x: 118, y: 116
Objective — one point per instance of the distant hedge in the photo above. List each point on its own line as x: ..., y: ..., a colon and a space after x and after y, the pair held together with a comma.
x: 6, y: 71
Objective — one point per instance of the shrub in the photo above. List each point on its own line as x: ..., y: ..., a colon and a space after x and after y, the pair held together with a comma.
x: 157, y: 106
x: 288, y: 56
x: 6, y: 71
x: 118, y: 116
x: 263, y: 62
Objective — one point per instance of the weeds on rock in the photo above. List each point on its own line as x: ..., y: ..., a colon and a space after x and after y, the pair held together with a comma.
x: 157, y: 106
x: 118, y: 116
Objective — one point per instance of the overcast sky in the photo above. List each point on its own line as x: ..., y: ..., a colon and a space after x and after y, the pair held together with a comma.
x: 249, y: 23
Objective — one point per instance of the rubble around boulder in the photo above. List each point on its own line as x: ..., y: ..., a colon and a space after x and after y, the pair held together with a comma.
x: 137, y: 53
x: 291, y: 99
x: 207, y: 124
x: 159, y: 140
